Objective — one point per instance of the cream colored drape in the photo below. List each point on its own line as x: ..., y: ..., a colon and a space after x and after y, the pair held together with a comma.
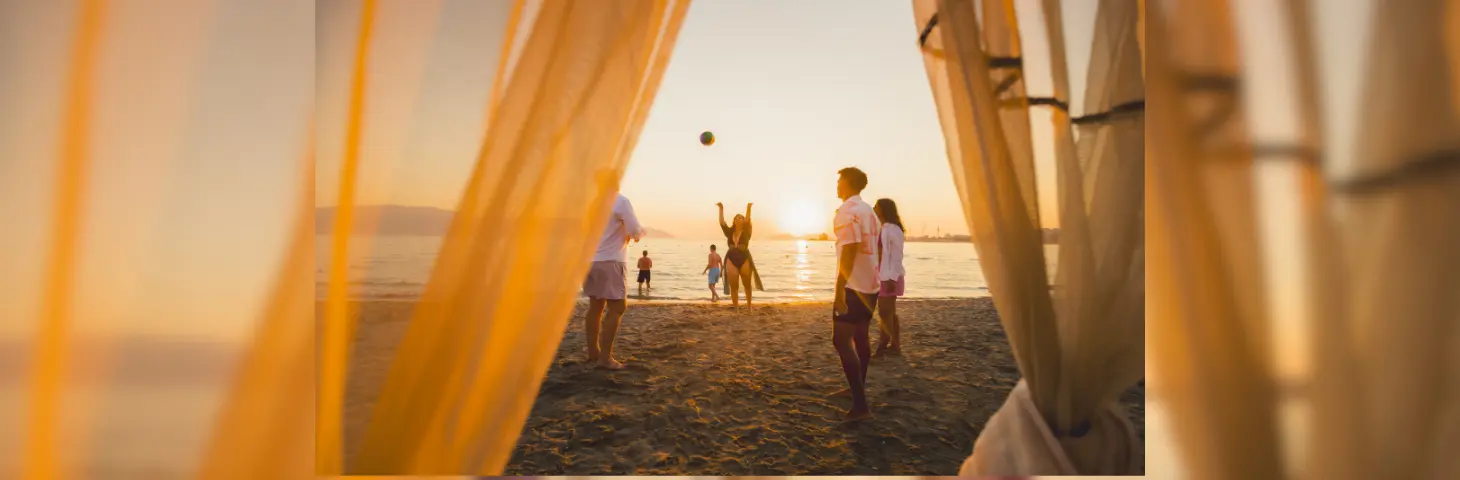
x: 1379, y: 263
x: 1403, y: 331
x: 1201, y: 232
x: 1079, y: 347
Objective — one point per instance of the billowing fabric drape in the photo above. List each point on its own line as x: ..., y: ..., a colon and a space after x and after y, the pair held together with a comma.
x: 151, y: 215
x: 574, y: 94
x: 1078, y: 345
x: 1379, y: 261
x: 155, y: 173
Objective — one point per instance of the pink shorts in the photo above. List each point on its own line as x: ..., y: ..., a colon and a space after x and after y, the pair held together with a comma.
x: 607, y: 280
x: 892, y: 292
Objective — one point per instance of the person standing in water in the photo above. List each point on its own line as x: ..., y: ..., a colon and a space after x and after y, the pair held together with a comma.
x: 645, y: 265
x: 608, y: 282
x: 739, y: 266
x: 713, y: 269
x: 891, y: 275
x: 857, y: 230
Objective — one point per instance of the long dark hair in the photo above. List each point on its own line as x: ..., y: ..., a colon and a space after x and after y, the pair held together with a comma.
x: 887, y: 211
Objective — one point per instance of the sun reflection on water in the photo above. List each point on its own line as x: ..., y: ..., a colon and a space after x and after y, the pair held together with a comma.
x: 802, y: 265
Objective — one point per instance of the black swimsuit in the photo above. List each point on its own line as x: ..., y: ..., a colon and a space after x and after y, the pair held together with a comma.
x: 739, y: 255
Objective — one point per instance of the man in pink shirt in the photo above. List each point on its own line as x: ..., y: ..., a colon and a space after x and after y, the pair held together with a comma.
x: 857, y: 229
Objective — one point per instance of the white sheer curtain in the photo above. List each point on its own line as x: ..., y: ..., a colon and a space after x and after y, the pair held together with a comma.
x: 1079, y: 346
x: 1378, y: 261
x: 1202, y: 240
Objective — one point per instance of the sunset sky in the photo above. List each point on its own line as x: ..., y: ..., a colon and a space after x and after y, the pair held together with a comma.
x: 200, y: 121
x: 794, y: 91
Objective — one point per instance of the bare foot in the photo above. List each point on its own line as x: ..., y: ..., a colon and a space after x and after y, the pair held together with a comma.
x: 859, y: 414
x: 844, y: 393
x: 610, y: 364
x: 592, y: 357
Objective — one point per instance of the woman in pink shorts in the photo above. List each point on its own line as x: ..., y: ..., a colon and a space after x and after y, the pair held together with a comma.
x: 891, y: 274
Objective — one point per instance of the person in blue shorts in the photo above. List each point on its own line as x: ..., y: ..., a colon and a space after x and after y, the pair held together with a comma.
x: 713, y: 269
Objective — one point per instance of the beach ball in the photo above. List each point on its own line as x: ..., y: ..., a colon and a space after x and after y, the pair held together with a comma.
x: 707, y: 139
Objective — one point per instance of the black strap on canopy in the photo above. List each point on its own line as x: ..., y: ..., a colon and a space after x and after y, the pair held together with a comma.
x: 927, y: 30
x: 1433, y: 165
x: 1017, y: 63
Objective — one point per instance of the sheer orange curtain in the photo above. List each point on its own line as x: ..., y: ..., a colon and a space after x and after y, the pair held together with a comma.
x: 577, y: 90
x: 195, y: 117
x: 156, y: 169
x: 338, y: 327
x: 260, y: 417
x: 1078, y: 345
x: 50, y: 361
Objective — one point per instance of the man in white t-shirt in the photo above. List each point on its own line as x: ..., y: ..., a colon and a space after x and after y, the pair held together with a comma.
x: 608, y: 283
x: 856, y: 286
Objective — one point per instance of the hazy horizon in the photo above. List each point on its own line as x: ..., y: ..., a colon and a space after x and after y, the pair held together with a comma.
x: 385, y: 220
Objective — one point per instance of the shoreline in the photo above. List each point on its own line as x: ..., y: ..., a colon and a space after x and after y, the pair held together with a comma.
x: 670, y: 301
x: 713, y: 390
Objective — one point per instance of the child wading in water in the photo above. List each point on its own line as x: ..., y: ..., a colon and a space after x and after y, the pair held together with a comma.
x: 646, y: 265
x: 713, y: 269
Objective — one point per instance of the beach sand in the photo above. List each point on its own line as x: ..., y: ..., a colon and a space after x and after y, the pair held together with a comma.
x: 710, y: 390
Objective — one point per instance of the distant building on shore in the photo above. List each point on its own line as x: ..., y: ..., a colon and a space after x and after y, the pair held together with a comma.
x: 1050, y: 236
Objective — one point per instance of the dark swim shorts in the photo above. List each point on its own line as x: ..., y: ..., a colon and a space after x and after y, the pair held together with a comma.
x: 643, y: 276
x: 859, y: 308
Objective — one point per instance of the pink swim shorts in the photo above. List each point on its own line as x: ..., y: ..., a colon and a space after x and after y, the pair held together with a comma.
x: 893, y: 292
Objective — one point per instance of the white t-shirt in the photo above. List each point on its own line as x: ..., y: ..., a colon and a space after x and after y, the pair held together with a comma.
x: 622, y: 227
x: 891, y: 268
x: 856, y: 223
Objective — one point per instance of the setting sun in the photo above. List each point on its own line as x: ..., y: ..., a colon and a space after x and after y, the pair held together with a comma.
x: 802, y: 218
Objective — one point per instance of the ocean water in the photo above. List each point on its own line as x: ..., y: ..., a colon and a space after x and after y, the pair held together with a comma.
x: 791, y: 270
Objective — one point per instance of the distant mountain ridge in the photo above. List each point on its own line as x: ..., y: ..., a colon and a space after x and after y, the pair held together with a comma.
x: 388, y: 220
x: 132, y: 360
x: 404, y: 221
x: 652, y: 233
